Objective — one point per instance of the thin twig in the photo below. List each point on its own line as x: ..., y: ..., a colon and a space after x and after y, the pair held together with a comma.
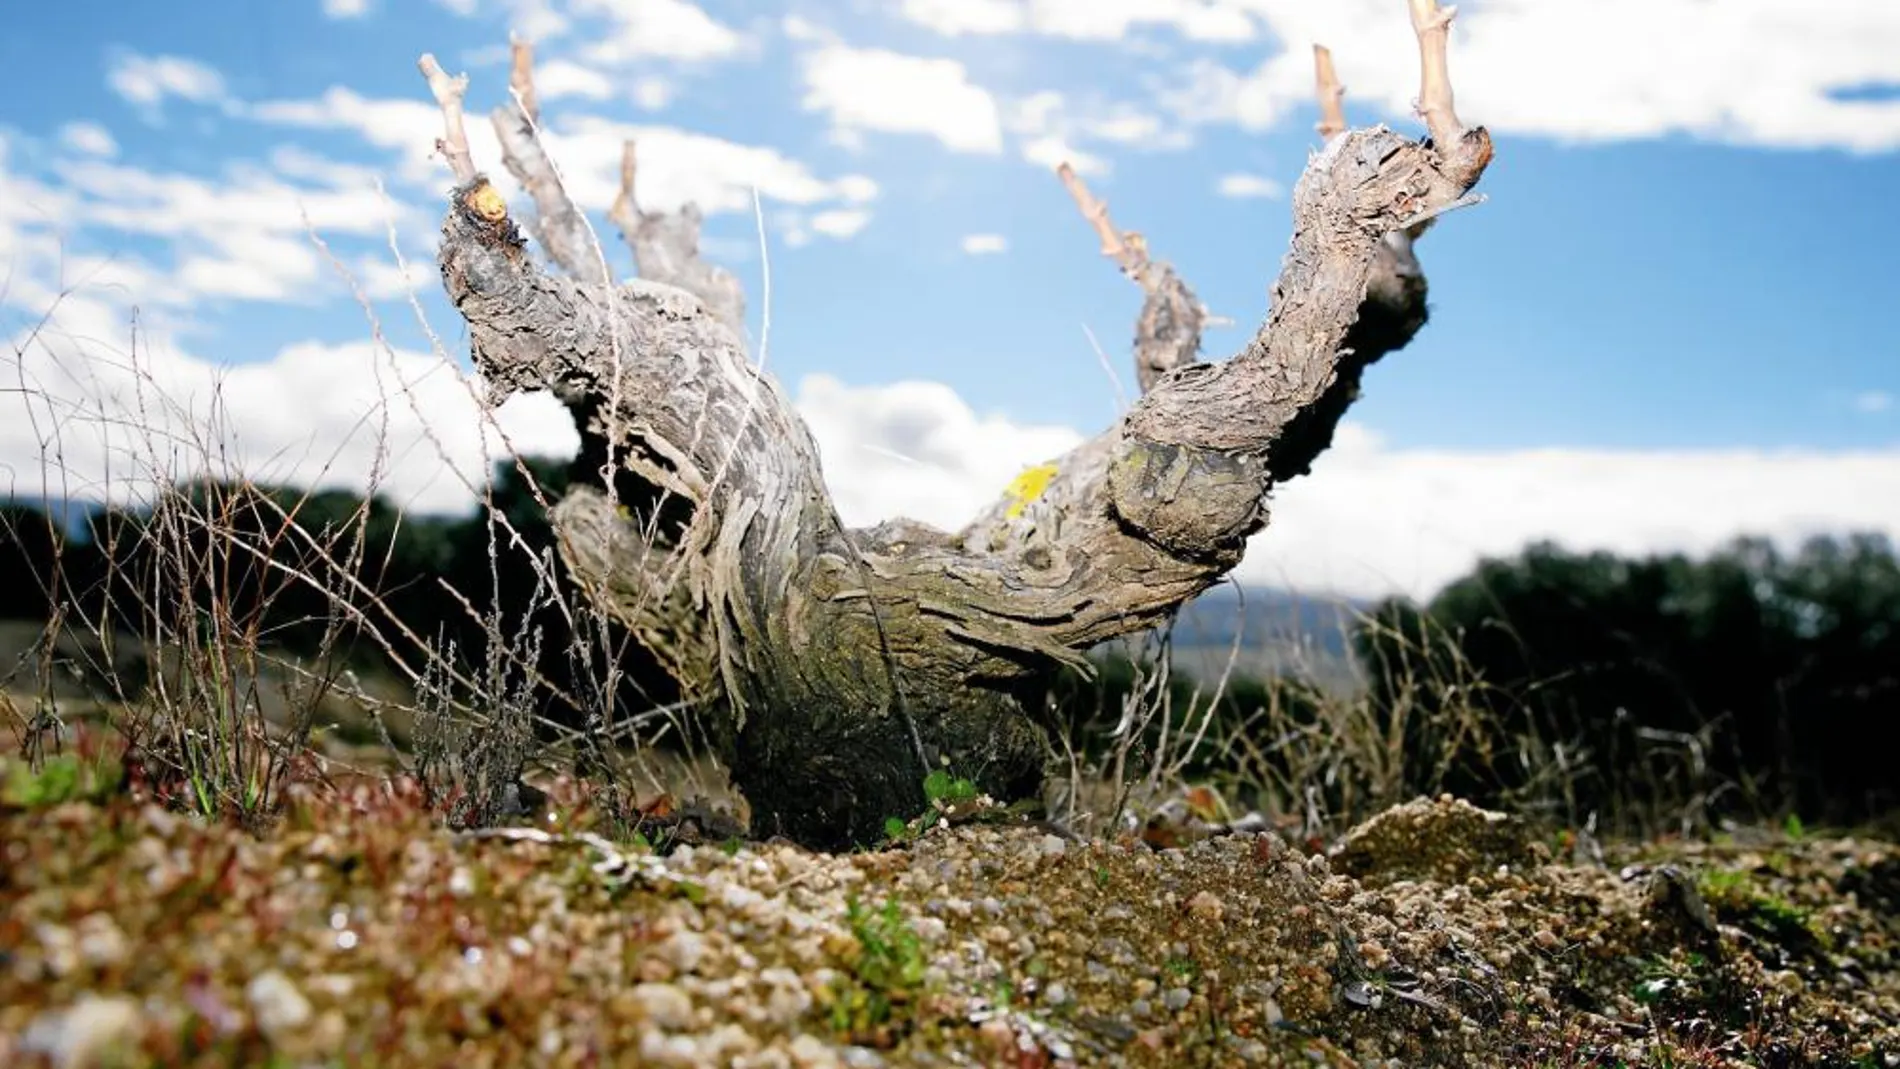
x: 449, y: 92
x: 1433, y: 26
x: 625, y: 212
x: 1128, y: 250
x: 1332, y: 113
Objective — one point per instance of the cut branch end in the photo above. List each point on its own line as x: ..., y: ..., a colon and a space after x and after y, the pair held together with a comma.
x: 626, y: 209
x: 1332, y: 111
x: 449, y: 91
x: 1465, y: 152
x: 1128, y: 250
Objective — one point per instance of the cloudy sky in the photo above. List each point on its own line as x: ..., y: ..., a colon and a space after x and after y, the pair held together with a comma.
x: 1674, y: 320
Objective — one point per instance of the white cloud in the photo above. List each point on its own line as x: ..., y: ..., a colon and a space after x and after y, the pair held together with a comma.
x: 670, y: 29
x: 799, y: 28
x: 840, y: 222
x: 382, y: 279
x: 677, y: 166
x: 856, y: 188
x: 916, y: 449
x: 1372, y: 519
x: 985, y: 244
x: 1052, y: 152
x: 1091, y: 20
x: 956, y: 17
x: 1198, y: 20
x: 871, y: 89
x: 1249, y: 185
x: 406, y: 126
x: 1127, y: 126
x: 536, y: 20
x: 312, y: 415
x: 243, y: 234
x: 345, y: 9
x: 148, y: 80
x: 559, y: 78
x: 89, y: 138
x: 252, y: 264
x: 652, y: 93
x: 1051, y: 127
x: 1754, y: 73
x: 1873, y: 401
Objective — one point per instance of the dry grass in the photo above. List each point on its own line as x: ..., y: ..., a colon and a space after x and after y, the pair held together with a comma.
x: 1315, y: 757
x: 178, y: 647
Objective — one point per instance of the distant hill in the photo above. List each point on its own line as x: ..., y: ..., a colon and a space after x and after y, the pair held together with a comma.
x: 1267, y: 632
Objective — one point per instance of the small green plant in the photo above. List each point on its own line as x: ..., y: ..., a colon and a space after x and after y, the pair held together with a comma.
x: 1662, y: 981
x: 887, y: 971
x: 55, y: 782
x: 943, y: 793
x: 1793, y: 827
x: 90, y: 772
x: 1738, y: 899
x: 942, y: 789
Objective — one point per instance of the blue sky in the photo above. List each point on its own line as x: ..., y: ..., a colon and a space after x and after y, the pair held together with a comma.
x: 1671, y: 322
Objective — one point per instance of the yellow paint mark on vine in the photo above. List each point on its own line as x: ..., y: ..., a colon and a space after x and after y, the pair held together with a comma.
x: 1028, y: 487
x: 487, y: 203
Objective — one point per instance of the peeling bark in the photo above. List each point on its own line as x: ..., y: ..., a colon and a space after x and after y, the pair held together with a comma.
x: 847, y: 664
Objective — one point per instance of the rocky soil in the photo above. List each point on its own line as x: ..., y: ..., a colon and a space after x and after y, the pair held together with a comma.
x: 360, y: 932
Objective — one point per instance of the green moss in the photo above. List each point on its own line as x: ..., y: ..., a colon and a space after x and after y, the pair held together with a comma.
x: 887, y: 972
x: 61, y: 778
x: 1736, y: 897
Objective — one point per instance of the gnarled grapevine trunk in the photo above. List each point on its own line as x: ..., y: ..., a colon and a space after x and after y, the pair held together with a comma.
x: 843, y: 665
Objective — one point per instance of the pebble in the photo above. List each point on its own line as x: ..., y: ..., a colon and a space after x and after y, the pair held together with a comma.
x: 665, y: 1005
x: 100, y: 942
x: 810, y: 1052
x: 684, y: 950
x: 84, y: 1033
x: 1177, y: 999
x: 1207, y: 906
x: 278, y: 1005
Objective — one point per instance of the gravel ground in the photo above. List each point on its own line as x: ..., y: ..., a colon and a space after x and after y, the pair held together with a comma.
x: 359, y: 932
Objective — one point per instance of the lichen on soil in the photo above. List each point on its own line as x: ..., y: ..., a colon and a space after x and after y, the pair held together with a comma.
x: 359, y: 931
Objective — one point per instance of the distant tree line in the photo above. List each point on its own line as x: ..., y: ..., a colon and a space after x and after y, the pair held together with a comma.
x: 1764, y: 677
x: 1750, y: 683
x: 1777, y: 673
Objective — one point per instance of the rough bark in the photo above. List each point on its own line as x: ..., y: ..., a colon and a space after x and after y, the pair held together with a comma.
x: 850, y: 663
x: 1168, y: 335
x: 618, y: 530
